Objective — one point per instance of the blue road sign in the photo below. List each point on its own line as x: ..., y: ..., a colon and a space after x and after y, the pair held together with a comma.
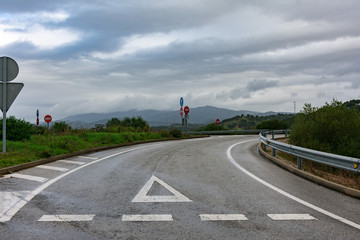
x: 181, y: 101
x: 37, y: 113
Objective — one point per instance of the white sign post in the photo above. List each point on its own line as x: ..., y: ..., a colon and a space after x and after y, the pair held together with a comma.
x: 9, y: 70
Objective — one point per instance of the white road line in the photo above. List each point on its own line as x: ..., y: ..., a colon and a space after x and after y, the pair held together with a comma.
x: 92, y: 158
x: 223, y: 217
x: 26, y: 177
x: 13, y: 210
x: 281, y: 217
x: 327, y: 213
x: 142, y: 197
x: 53, y: 168
x: 71, y: 162
x: 8, y: 200
x: 147, y: 218
x: 66, y: 218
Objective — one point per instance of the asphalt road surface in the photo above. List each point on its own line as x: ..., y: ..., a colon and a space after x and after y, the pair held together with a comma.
x: 210, y: 188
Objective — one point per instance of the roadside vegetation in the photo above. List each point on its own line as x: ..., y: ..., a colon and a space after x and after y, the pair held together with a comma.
x: 332, y: 128
x: 26, y: 143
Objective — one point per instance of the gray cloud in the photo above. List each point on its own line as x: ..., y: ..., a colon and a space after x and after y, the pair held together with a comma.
x: 118, y: 55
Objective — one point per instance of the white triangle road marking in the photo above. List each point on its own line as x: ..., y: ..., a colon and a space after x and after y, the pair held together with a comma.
x: 142, y: 197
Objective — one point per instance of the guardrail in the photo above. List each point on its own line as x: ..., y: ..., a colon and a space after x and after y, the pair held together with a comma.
x: 348, y: 163
x: 222, y: 132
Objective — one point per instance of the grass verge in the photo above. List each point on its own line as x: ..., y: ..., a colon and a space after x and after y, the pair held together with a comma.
x: 45, y: 146
x: 336, y: 175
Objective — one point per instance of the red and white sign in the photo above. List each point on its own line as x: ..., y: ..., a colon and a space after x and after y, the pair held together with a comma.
x: 48, y: 118
x: 217, y: 121
x: 181, y: 111
x: 186, y: 109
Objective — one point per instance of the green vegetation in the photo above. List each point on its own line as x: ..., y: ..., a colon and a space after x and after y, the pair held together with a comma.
x: 333, y: 128
x: 248, y: 122
x: 26, y: 143
x: 17, y: 129
x: 212, y: 127
x: 273, y: 124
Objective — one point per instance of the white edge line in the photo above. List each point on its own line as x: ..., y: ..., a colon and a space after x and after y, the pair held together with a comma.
x: 318, y: 209
x: 11, y: 212
x: 147, y: 218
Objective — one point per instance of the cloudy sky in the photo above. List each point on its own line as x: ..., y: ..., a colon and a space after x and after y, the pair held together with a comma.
x: 81, y: 56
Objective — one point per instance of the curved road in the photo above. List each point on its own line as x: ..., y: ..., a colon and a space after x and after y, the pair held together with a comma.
x: 212, y: 188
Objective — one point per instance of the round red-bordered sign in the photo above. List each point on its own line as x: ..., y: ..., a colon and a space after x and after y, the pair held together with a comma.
x: 186, y: 109
x: 181, y: 111
x: 47, y: 118
x: 217, y: 121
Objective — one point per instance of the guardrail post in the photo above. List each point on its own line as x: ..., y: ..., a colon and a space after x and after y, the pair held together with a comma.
x: 286, y: 133
x: 273, y: 137
x: 299, y: 162
x: 264, y: 145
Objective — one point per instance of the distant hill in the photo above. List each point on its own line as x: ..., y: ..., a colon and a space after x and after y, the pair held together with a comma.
x: 199, y: 115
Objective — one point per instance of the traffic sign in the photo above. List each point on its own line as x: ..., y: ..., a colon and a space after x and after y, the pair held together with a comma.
x: 37, y: 113
x: 11, y: 69
x: 181, y: 111
x: 47, y: 118
x: 186, y: 109
x: 12, y: 90
x: 217, y: 121
x: 181, y: 101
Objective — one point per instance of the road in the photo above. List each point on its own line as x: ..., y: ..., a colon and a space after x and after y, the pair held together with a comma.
x: 210, y: 188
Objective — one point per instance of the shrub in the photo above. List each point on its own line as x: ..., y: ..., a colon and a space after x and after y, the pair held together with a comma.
x: 17, y: 129
x: 176, y: 133
x: 332, y: 128
x: 61, y: 127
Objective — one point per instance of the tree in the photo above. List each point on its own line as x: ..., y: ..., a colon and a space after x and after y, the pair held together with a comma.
x: 274, y: 124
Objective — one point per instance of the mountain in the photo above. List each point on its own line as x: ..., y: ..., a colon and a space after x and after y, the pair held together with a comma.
x: 199, y: 115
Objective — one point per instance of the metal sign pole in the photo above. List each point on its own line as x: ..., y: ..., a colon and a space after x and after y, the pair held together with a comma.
x: 4, y: 66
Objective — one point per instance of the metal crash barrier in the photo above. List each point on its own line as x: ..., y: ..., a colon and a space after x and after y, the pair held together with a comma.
x: 334, y: 160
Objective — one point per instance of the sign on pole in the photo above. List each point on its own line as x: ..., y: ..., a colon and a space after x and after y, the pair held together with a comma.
x: 48, y: 119
x: 12, y: 91
x: 186, y: 109
x: 9, y: 70
x: 37, y: 117
x: 217, y: 121
x: 181, y: 101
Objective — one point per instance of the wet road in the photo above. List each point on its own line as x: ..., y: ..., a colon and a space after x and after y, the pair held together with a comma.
x: 212, y: 188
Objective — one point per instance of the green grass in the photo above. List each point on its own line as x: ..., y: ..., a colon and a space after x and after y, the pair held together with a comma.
x: 45, y: 146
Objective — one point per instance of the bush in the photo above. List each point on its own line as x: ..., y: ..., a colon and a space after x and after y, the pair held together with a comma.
x: 17, y: 129
x: 332, y: 128
x: 176, y: 133
x: 61, y: 127
x: 135, y: 124
x: 164, y: 133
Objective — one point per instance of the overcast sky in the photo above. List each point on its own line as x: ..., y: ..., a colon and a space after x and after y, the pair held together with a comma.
x: 82, y: 56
